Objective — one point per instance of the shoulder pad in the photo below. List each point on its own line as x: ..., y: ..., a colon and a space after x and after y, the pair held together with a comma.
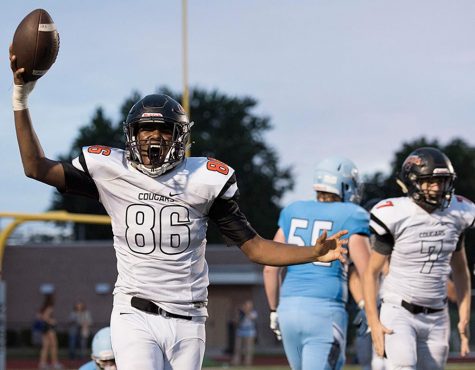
x: 208, y: 177
x: 358, y: 219
x: 358, y: 211
x: 208, y: 170
x: 464, y: 202
x: 465, y: 207
x: 103, y: 161
x: 387, y: 213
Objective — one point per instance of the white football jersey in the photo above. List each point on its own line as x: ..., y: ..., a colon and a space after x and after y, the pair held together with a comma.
x: 159, y: 225
x: 423, y: 247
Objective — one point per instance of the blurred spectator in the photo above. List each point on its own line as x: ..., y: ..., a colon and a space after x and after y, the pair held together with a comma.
x: 80, y: 322
x: 245, y: 334
x: 49, y: 340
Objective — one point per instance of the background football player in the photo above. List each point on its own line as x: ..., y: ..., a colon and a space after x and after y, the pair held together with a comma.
x: 159, y: 204
x: 310, y: 313
x: 367, y: 357
x: 102, y: 354
x: 423, y: 233
x: 364, y: 350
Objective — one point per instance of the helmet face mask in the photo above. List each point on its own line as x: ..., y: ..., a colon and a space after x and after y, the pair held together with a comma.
x: 428, y: 177
x: 339, y: 176
x: 102, y: 353
x: 105, y: 364
x: 151, y: 153
x: 436, y: 197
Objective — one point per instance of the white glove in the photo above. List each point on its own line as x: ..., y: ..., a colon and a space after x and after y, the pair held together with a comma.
x: 360, y: 320
x: 361, y: 323
x: 274, y: 324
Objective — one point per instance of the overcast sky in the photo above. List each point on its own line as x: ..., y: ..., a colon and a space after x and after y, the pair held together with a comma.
x: 354, y: 78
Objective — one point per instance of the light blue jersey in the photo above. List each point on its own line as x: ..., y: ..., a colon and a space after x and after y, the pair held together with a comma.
x: 302, y: 223
x: 91, y: 365
x: 312, y: 315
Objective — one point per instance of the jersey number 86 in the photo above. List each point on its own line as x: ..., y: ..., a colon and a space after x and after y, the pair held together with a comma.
x: 172, y: 229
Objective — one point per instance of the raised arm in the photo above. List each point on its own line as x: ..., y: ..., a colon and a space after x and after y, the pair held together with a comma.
x: 35, y: 163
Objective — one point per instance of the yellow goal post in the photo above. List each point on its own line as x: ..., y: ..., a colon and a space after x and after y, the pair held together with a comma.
x: 17, y: 220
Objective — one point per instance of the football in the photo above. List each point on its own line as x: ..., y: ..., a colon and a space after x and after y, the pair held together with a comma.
x: 36, y: 44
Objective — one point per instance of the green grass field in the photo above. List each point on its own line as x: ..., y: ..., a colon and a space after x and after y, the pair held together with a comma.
x: 26, y: 359
x: 349, y: 367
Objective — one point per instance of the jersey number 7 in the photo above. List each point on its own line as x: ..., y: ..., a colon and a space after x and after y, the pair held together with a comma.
x: 433, y: 249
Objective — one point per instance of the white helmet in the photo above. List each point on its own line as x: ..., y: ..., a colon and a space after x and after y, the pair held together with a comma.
x: 102, y: 353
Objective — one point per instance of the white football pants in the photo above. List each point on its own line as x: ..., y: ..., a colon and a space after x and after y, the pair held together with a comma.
x: 145, y: 341
x: 418, y: 341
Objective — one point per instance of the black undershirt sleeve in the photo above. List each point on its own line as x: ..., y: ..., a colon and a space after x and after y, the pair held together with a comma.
x: 79, y: 182
x: 232, y: 223
x: 383, y: 244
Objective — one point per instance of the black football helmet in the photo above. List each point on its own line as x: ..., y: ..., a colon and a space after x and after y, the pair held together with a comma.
x: 426, y: 164
x: 168, y: 115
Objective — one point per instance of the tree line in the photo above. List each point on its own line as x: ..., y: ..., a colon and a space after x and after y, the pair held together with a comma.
x: 227, y: 129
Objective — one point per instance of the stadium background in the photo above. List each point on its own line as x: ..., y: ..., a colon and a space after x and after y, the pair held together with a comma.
x: 380, y: 74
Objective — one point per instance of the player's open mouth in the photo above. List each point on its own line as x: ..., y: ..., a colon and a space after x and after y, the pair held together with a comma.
x: 155, y: 154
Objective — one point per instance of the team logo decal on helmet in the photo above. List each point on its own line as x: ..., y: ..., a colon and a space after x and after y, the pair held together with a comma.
x: 413, y: 160
x: 166, y: 114
x: 338, y: 175
x: 428, y: 165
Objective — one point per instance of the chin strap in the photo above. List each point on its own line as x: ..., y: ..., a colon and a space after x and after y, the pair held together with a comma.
x: 402, y: 186
x: 425, y: 205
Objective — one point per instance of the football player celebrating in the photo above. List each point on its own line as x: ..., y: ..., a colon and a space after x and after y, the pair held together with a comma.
x: 310, y: 313
x: 159, y: 203
x: 423, y: 233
